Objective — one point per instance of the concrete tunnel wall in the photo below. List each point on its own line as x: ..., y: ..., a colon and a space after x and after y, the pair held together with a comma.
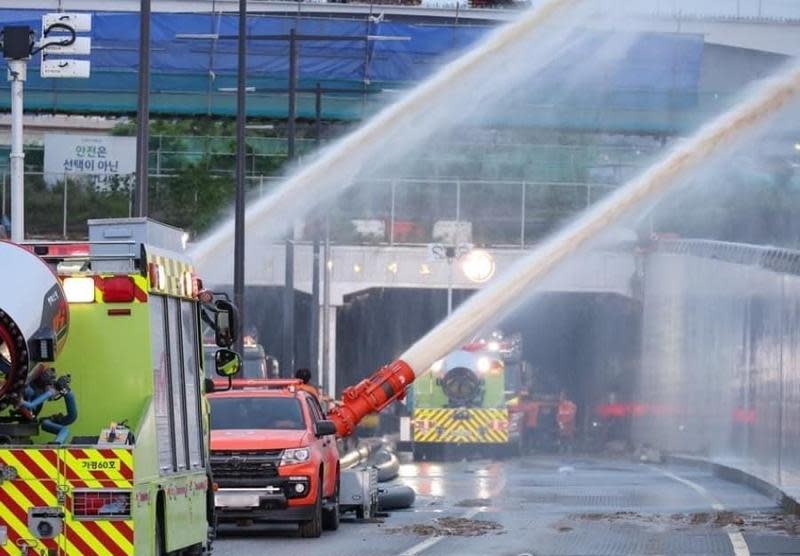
x: 720, y: 373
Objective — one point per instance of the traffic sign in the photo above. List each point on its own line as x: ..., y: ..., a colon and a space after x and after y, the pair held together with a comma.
x: 81, y: 47
x: 65, y: 68
x: 81, y: 23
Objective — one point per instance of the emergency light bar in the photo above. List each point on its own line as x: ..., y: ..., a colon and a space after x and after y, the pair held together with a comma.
x: 266, y: 383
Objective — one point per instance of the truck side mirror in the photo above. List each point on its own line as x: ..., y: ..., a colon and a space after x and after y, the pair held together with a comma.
x: 226, y: 323
x: 324, y: 428
x: 227, y: 362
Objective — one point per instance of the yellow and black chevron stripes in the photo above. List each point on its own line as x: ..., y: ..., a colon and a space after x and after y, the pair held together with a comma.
x: 174, y: 276
x: 40, y: 478
x: 461, y: 425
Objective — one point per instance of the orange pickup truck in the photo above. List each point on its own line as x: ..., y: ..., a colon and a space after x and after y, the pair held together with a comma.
x: 274, y: 456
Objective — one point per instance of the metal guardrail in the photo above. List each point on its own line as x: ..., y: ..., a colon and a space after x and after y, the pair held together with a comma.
x: 777, y: 259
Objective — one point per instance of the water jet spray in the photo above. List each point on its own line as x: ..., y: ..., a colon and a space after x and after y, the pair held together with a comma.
x: 391, y: 382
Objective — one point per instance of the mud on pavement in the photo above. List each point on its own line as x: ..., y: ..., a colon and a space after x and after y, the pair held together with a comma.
x: 450, y: 527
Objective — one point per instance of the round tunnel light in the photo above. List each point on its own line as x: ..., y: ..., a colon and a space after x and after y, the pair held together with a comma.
x: 478, y: 265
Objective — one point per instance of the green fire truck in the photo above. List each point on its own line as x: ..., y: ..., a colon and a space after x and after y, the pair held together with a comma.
x: 103, y: 426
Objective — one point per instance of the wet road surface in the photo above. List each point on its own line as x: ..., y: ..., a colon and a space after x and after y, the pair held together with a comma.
x: 550, y: 506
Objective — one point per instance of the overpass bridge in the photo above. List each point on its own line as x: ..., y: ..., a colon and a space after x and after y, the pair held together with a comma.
x: 763, y: 25
x: 703, y: 56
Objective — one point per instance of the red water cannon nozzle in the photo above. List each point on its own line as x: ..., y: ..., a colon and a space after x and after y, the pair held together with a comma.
x: 370, y: 395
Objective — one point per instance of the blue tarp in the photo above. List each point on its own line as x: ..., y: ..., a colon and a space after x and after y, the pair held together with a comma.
x: 654, y: 71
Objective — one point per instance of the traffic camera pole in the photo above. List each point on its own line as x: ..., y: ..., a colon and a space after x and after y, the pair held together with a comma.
x: 17, y: 48
x: 16, y: 74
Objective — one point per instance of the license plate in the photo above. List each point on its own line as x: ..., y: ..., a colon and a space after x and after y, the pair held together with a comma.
x: 100, y: 465
x: 236, y: 500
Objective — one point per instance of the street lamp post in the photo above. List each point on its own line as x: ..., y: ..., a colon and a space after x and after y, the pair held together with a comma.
x: 476, y: 264
x: 450, y: 254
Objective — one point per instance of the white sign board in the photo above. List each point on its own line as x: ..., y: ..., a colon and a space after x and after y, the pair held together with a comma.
x: 81, y: 47
x: 102, y: 156
x: 65, y: 68
x: 81, y: 23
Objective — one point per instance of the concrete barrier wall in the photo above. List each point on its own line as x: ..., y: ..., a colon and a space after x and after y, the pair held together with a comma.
x: 720, y: 372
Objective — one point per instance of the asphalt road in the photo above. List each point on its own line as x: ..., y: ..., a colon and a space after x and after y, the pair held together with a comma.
x: 540, y: 506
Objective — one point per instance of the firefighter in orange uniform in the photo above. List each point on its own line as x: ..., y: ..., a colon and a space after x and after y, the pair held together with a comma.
x: 565, y: 417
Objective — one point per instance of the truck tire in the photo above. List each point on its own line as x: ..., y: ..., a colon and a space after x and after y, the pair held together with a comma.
x: 330, y: 516
x: 312, y: 528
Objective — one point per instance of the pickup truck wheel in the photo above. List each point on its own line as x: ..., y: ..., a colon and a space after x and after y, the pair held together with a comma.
x: 330, y: 516
x: 313, y: 527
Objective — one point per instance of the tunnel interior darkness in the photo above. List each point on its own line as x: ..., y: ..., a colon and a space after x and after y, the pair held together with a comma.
x: 586, y: 344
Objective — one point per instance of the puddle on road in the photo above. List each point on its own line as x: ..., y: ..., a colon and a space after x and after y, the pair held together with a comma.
x: 474, y: 502
x: 745, y: 522
x: 450, y: 527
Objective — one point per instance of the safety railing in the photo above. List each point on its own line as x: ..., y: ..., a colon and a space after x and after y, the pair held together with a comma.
x: 377, y: 211
x: 773, y: 258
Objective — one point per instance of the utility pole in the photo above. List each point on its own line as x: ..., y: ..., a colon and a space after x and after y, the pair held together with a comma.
x: 288, y: 284
x: 315, y: 257
x: 288, y: 309
x: 143, y: 112
x: 318, y: 114
x: 241, y: 153
x: 292, y: 116
x: 315, y: 302
x: 328, y: 384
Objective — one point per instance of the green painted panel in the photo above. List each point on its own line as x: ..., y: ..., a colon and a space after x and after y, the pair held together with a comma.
x: 108, y: 358
x: 428, y: 394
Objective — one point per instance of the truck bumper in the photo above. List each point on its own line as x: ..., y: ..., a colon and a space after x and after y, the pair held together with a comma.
x: 258, y: 504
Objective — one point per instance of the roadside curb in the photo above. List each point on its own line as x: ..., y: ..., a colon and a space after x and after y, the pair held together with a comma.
x: 789, y: 503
